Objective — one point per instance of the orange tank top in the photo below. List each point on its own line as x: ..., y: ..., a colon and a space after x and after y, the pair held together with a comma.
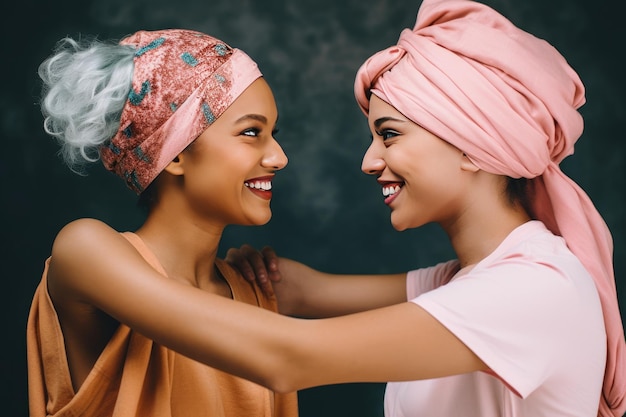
x: 134, y: 376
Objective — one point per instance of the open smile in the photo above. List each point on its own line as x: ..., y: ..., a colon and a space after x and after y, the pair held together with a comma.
x: 391, y: 190
x: 261, y: 187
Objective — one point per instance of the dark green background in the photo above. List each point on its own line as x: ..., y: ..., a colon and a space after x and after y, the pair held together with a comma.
x: 326, y: 212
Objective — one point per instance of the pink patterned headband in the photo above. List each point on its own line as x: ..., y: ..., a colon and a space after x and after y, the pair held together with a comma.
x: 510, y: 101
x: 182, y: 82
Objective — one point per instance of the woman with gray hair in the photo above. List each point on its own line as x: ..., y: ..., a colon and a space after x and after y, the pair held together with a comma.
x: 188, y: 123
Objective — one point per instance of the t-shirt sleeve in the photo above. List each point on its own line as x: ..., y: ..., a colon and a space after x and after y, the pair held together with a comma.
x: 511, y: 314
x: 423, y: 280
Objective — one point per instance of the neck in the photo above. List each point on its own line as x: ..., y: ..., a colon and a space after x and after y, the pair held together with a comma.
x: 486, y: 219
x: 186, y: 248
x: 480, y: 231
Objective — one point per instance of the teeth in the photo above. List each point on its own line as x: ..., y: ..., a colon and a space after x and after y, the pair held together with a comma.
x: 387, y: 191
x: 259, y: 185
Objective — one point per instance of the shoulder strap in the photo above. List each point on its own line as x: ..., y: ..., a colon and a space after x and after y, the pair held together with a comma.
x: 144, y: 251
x: 244, y: 290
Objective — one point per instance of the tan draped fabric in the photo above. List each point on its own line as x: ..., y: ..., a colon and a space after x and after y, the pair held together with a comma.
x: 135, y: 377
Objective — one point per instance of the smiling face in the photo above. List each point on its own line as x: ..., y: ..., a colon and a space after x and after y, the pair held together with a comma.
x: 423, y: 177
x: 228, y: 169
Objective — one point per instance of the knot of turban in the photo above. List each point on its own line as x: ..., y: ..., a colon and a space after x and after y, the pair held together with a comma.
x: 510, y: 101
x: 182, y: 82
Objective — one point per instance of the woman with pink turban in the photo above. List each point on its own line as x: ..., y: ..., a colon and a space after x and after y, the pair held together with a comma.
x: 470, y: 118
x: 188, y: 123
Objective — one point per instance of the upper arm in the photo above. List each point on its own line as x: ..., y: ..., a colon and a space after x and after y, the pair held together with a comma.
x: 306, y: 292
x: 91, y: 263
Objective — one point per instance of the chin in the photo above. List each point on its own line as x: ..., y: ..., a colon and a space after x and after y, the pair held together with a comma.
x: 398, y: 226
x: 259, y: 220
x: 401, y: 224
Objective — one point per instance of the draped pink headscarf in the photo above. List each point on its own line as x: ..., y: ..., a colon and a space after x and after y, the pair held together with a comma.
x: 509, y: 101
x: 183, y: 81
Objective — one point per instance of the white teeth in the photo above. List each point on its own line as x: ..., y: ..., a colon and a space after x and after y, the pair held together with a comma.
x: 387, y: 191
x: 259, y: 185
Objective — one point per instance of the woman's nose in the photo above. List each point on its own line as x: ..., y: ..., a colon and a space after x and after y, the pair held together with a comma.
x: 373, y: 162
x: 275, y: 157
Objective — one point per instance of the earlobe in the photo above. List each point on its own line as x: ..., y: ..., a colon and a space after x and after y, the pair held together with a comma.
x: 468, y: 165
x: 176, y: 166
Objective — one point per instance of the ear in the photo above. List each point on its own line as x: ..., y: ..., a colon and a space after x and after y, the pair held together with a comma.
x: 468, y: 165
x: 176, y: 167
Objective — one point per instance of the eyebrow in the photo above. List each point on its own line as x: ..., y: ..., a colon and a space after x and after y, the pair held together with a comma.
x: 382, y: 120
x: 258, y: 117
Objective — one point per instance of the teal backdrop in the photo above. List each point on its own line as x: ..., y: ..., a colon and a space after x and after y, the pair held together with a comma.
x: 326, y: 212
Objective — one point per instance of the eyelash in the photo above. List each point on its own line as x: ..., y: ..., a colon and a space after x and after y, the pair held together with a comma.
x: 255, y: 132
x: 385, y: 132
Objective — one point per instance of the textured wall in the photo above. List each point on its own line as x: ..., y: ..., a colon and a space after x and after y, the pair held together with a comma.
x: 326, y: 212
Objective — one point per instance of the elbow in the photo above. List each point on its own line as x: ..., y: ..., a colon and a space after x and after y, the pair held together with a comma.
x: 284, y: 374
x: 281, y: 383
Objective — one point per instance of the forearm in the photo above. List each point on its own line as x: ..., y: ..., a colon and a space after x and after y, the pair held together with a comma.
x: 403, y: 343
x: 306, y: 292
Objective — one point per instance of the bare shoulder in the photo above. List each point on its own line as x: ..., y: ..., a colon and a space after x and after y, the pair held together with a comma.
x: 77, y: 273
x: 78, y: 245
x: 80, y: 235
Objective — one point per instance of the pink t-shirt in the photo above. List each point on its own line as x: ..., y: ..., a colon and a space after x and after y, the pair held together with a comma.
x: 532, y: 313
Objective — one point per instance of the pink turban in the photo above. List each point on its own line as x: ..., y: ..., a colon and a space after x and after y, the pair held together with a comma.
x: 182, y: 82
x: 509, y: 101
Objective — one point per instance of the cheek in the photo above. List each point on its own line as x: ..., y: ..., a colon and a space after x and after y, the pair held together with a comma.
x: 217, y: 164
x: 407, y: 164
x: 205, y: 171
x: 428, y: 179
x: 431, y: 161
x: 208, y: 180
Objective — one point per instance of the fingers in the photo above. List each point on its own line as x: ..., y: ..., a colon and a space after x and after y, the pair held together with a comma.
x: 236, y: 258
x: 253, y: 267
x: 271, y: 263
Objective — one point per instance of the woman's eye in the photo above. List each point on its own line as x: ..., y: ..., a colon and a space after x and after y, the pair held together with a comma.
x: 387, y: 134
x: 251, y: 132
